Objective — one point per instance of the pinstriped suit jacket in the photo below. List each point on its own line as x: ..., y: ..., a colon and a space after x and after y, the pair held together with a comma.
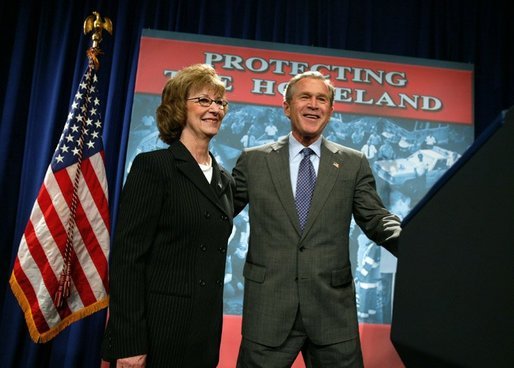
x: 286, y: 268
x: 168, y: 262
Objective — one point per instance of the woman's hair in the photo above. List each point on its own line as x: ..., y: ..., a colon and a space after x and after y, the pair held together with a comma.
x: 289, y: 92
x: 172, y: 112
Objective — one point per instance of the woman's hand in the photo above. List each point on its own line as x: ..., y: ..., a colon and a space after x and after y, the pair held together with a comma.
x: 138, y: 361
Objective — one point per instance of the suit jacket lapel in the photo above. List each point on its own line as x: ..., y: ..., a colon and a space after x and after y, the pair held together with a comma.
x: 220, y: 183
x: 187, y: 165
x: 278, y: 164
x: 330, y: 166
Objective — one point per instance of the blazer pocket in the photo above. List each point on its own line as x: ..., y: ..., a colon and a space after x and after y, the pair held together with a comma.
x: 341, y: 277
x: 254, y: 272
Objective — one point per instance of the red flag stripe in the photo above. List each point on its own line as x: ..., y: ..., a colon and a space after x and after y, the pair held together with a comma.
x: 89, y: 253
x: 93, y: 170
x: 34, y: 237
x: 88, y: 235
x: 81, y: 285
x: 80, y: 282
x: 42, y: 277
x: 92, y: 245
x: 38, y: 233
x: 88, y: 195
x: 31, y: 297
x: 78, y: 275
x: 95, y: 187
x: 53, y: 220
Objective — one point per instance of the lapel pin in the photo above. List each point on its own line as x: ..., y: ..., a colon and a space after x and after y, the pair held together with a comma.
x: 336, y: 164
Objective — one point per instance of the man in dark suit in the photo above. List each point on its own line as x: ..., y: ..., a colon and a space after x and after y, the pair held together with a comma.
x: 299, y: 291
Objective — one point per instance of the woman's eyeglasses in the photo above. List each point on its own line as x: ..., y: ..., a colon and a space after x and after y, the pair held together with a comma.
x: 206, y: 101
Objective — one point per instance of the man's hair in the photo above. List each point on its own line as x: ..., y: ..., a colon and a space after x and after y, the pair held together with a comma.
x: 289, y: 91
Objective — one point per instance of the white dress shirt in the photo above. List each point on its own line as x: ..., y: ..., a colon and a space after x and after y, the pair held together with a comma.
x: 295, y: 156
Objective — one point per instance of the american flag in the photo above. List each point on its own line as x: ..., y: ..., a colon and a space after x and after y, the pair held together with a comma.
x: 60, y: 272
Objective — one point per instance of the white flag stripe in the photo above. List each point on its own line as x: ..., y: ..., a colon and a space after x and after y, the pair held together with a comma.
x: 48, y: 244
x: 98, y: 165
x: 92, y: 212
x: 74, y: 301
x: 34, y: 277
x: 87, y: 265
x: 60, y: 205
x: 83, y: 256
x: 101, y: 233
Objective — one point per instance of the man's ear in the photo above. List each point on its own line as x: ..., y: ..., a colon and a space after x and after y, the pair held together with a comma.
x: 286, y: 108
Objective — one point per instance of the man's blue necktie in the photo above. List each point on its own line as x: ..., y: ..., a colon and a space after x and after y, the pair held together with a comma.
x: 305, y: 186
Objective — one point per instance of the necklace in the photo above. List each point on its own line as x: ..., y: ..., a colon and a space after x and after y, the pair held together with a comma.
x: 207, y: 170
x: 207, y: 165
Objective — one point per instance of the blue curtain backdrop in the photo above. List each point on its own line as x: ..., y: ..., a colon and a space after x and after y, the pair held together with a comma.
x: 43, y: 57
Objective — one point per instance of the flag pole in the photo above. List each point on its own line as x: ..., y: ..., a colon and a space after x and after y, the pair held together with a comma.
x: 93, y: 23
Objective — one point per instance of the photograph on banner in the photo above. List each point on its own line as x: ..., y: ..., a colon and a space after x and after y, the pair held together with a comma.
x: 412, y: 118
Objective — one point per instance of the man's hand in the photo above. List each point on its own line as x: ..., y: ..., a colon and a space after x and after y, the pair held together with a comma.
x: 138, y: 361
x: 392, y: 226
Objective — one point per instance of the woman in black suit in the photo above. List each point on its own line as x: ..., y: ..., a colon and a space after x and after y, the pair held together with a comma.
x: 174, y: 221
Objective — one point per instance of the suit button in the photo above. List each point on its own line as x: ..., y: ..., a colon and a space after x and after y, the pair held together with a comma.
x: 202, y: 282
x: 301, y: 249
x: 207, y: 215
x: 203, y: 247
x: 219, y: 282
x: 223, y: 217
x: 222, y: 250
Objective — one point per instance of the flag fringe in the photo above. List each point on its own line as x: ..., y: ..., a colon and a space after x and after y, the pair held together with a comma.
x: 38, y: 337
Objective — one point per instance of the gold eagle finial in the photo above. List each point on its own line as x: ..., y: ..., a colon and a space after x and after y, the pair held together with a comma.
x: 95, y: 23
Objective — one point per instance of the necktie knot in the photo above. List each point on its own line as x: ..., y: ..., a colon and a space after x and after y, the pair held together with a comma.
x: 307, y: 152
